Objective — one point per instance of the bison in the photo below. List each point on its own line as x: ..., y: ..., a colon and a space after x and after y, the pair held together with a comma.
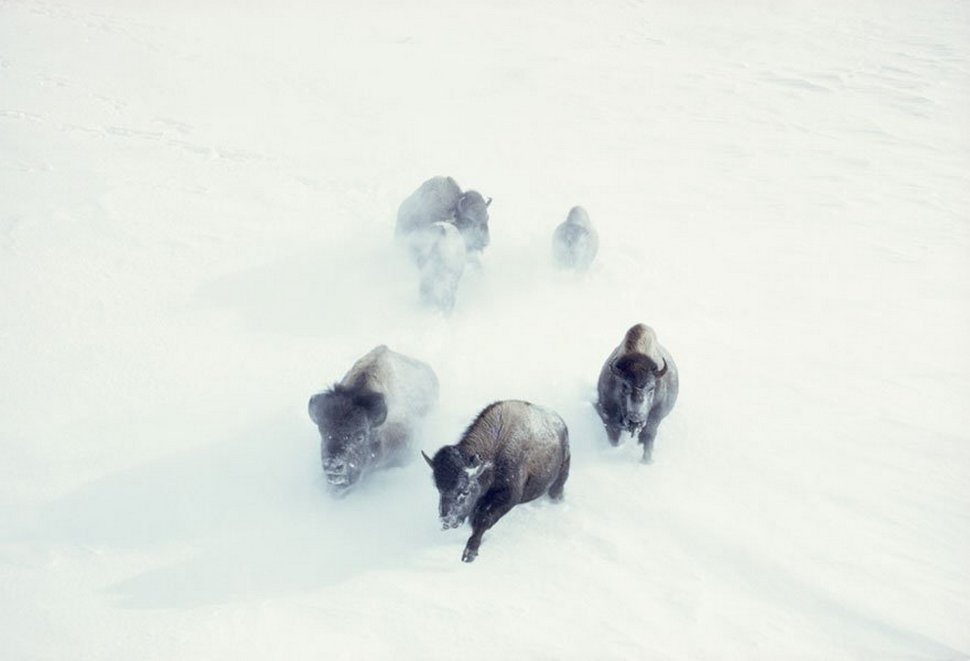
x: 367, y: 420
x: 574, y: 241
x: 439, y: 199
x: 443, y: 267
x: 512, y: 453
x: 637, y: 388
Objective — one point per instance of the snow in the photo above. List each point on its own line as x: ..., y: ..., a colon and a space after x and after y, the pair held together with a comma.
x: 197, y: 204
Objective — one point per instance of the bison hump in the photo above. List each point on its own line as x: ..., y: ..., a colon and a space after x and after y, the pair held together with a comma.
x: 642, y: 339
x: 435, y: 200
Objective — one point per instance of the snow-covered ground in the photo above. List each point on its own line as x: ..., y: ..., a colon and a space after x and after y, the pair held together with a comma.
x: 196, y: 209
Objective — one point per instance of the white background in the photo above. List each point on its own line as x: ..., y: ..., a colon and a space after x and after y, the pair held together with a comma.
x: 196, y: 209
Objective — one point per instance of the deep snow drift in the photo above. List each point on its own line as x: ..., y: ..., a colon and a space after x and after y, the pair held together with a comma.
x: 197, y: 205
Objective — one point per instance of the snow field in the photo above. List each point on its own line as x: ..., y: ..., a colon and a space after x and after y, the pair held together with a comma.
x: 196, y: 210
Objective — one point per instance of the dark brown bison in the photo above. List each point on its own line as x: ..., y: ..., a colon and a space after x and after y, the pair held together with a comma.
x: 512, y: 453
x: 637, y: 388
x: 367, y: 420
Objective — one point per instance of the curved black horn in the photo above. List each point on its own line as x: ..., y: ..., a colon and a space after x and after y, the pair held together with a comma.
x: 659, y: 373
x: 488, y: 201
x: 428, y: 459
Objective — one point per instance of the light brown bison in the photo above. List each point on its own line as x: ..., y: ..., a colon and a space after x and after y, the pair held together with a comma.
x: 512, y: 453
x: 367, y: 420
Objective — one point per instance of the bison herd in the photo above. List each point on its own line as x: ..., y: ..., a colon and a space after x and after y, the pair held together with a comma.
x: 514, y: 451
x: 443, y: 228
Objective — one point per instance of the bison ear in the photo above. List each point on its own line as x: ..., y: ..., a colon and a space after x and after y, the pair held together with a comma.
x: 375, y: 407
x: 313, y: 407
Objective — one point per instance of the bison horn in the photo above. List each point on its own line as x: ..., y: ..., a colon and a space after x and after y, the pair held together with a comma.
x: 659, y: 373
x: 428, y: 459
x: 488, y: 201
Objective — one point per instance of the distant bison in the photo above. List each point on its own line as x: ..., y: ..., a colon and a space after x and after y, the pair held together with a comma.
x: 575, y: 241
x: 439, y: 199
x: 637, y: 388
x: 512, y: 453
x: 443, y: 266
x: 368, y: 419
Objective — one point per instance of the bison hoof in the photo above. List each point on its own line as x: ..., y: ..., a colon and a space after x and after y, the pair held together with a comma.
x: 647, y: 459
x: 469, y: 555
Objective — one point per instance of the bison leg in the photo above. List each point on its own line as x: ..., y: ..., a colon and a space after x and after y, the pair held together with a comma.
x: 555, y: 491
x: 492, y: 507
x: 609, y: 417
x: 647, y: 435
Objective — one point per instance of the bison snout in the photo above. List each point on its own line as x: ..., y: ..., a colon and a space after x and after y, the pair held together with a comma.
x: 634, y: 423
x: 338, y: 465
x: 337, y: 477
x: 636, y: 418
x: 339, y: 472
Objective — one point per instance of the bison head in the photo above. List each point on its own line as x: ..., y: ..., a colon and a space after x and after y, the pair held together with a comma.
x: 347, y: 419
x: 471, y: 219
x: 636, y: 379
x: 459, y: 484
